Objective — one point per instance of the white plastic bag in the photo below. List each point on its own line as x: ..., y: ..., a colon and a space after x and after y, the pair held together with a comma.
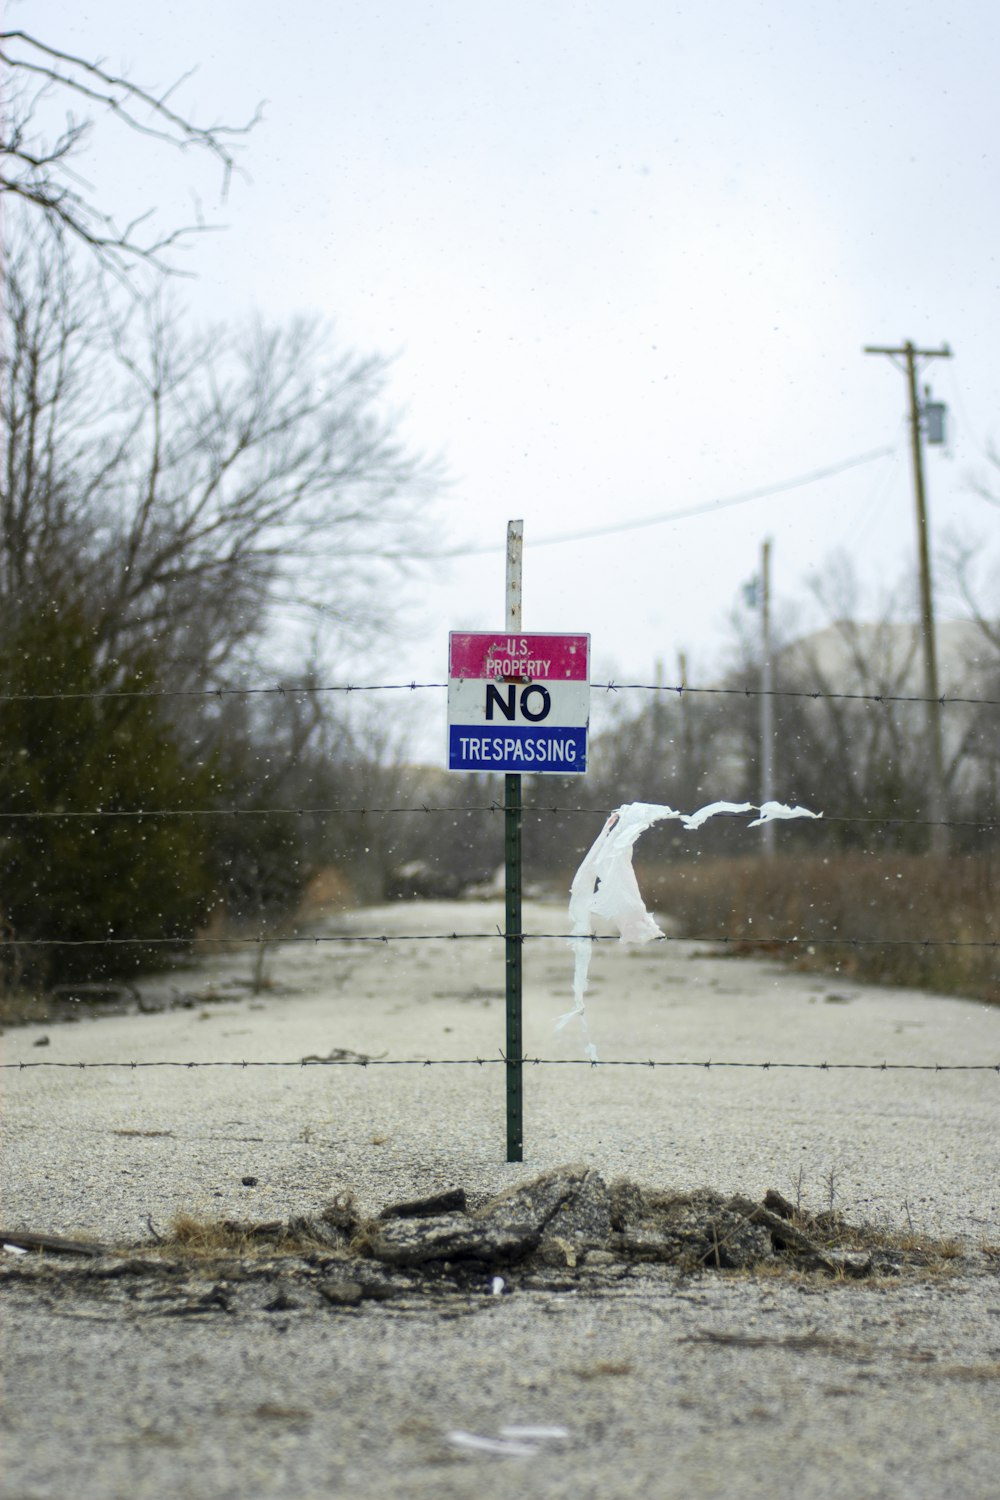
x: 605, y: 884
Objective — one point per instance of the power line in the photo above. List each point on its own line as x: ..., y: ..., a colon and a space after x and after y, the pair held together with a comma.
x: 708, y: 508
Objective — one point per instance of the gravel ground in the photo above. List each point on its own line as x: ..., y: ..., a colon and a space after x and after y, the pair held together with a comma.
x: 660, y: 1385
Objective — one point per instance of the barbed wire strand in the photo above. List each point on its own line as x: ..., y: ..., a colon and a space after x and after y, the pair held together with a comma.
x: 282, y: 940
x: 535, y: 1062
x: 814, y: 694
x: 486, y: 807
x: 679, y: 690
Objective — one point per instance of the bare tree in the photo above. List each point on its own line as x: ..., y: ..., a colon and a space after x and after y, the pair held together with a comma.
x: 967, y: 563
x: 37, y: 165
x: 972, y: 571
x: 169, y: 504
x: 44, y: 375
x: 190, y: 487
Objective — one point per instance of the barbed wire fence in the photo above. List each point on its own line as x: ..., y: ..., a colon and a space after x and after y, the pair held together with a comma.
x: 742, y: 944
x: 678, y: 690
x: 706, y: 1065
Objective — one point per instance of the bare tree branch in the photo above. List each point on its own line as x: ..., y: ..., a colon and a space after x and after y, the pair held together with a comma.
x: 989, y: 489
x: 39, y: 173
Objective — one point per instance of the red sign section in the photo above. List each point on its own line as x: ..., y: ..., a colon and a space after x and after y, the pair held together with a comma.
x: 519, y: 658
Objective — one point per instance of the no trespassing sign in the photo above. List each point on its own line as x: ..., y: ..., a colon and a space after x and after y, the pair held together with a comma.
x: 518, y: 703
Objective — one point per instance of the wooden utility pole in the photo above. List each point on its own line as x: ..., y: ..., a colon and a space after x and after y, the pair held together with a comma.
x: 909, y: 355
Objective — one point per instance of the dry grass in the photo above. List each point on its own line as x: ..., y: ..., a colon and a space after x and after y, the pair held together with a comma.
x: 211, y: 1239
x: 891, y: 903
x: 206, y: 1239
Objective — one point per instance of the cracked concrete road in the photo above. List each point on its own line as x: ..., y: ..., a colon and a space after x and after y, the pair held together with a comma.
x: 664, y: 1386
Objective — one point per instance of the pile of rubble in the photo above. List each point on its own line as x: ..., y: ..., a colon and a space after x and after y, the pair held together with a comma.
x: 570, y: 1218
x: 566, y: 1229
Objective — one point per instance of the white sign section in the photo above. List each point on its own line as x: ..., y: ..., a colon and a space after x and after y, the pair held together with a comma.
x: 518, y: 703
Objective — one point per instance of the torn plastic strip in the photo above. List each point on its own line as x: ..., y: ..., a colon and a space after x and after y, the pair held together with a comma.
x: 605, y: 885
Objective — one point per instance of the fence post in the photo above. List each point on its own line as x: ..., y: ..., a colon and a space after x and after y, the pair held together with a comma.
x: 512, y: 883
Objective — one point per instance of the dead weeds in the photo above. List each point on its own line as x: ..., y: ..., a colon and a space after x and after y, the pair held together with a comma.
x: 892, y: 902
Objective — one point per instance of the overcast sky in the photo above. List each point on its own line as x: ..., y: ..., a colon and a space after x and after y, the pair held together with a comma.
x: 627, y: 255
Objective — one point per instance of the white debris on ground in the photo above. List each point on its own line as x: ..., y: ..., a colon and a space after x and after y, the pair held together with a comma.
x: 513, y: 1442
x: 605, y: 884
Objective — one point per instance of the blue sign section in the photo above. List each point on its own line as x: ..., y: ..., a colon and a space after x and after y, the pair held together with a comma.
x: 517, y: 747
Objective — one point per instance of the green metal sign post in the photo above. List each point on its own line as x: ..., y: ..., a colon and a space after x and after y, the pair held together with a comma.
x: 517, y: 700
x: 513, y: 942
x: 512, y: 883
